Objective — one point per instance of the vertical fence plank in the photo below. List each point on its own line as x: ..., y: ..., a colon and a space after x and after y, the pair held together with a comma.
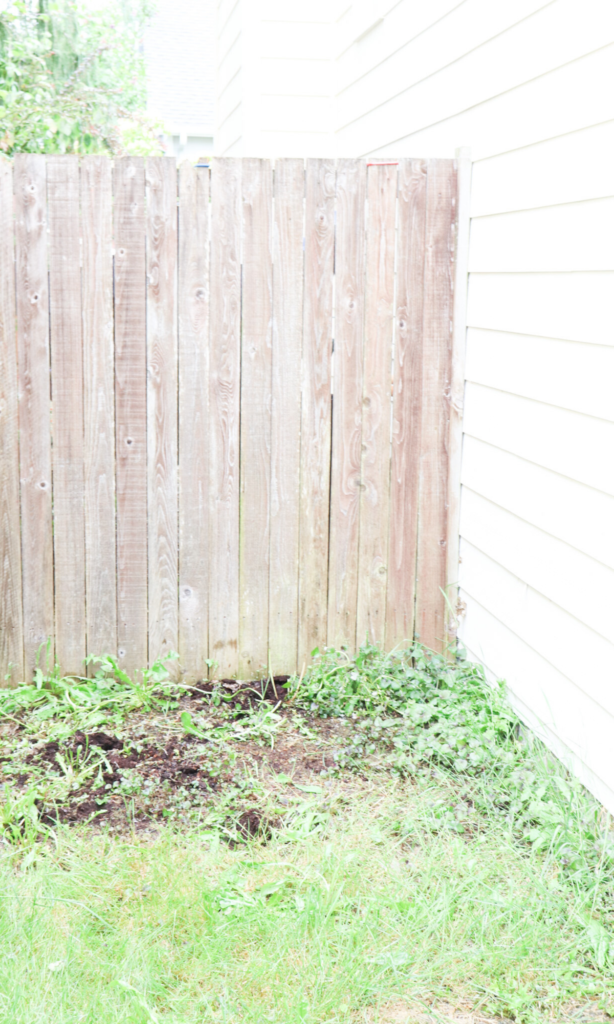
x: 162, y: 405
x: 457, y: 388
x: 407, y: 404
x: 193, y: 297
x: 131, y: 412
x: 375, y: 472
x: 224, y: 413
x: 98, y: 406
x: 436, y: 378
x: 67, y: 394
x: 256, y: 350
x: 347, y: 403
x: 11, y: 618
x: 286, y: 413
x: 316, y: 406
x: 34, y: 403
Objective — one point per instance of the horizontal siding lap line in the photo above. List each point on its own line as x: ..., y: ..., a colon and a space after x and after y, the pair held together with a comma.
x: 539, y: 654
x: 228, y: 148
x: 536, y: 273
x: 229, y: 115
x: 291, y: 21
x: 566, y: 441
x: 559, y: 172
x: 575, y: 649
x: 230, y: 14
x: 231, y: 55
x: 567, y: 376
x: 472, y: 106
x: 515, y: 575
x: 531, y: 209
x: 295, y: 60
x: 544, y: 141
x: 230, y: 47
x: 443, y: 67
x: 523, y: 519
x: 422, y: 32
x: 535, y: 401
x: 225, y: 75
x: 538, y: 465
x: 293, y: 131
x: 297, y: 96
x: 545, y: 337
x: 229, y: 82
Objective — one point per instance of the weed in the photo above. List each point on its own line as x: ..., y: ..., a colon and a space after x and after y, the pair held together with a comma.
x: 429, y: 709
x: 259, y: 723
x: 20, y: 820
x: 89, y: 701
x: 416, y: 711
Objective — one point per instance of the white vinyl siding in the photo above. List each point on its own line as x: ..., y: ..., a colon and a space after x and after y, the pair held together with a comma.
x: 571, y: 97
x: 275, y: 78
x: 456, y: 67
x: 566, y: 169
x: 575, y: 725
x: 229, y: 99
x: 568, y: 306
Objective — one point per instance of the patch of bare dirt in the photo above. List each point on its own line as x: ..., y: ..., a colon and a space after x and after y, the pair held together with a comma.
x: 441, y: 1013
x: 150, y: 768
x: 444, y: 1013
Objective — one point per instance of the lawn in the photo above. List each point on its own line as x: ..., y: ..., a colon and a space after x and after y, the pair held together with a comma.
x: 374, y: 842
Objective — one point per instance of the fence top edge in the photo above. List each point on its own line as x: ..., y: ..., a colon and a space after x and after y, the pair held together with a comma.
x: 336, y: 161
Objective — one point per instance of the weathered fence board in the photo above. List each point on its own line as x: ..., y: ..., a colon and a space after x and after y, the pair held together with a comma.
x: 162, y: 526
x: 193, y: 298
x: 457, y: 389
x: 11, y: 619
x: 320, y: 185
x: 347, y: 402
x: 256, y: 383
x: 131, y: 412
x: 98, y: 404
x: 436, y: 378
x: 286, y: 416
x: 224, y: 411
x: 375, y: 472
x: 30, y: 185
x: 67, y: 404
x: 407, y: 404
x: 250, y: 381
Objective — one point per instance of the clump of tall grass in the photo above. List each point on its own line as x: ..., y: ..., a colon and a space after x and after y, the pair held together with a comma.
x: 87, y: 701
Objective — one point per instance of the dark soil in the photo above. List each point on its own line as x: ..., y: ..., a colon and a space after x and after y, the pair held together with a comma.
x: 149, y: 769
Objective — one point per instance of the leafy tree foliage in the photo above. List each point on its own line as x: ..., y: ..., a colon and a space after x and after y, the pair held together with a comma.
x: 72, y: 79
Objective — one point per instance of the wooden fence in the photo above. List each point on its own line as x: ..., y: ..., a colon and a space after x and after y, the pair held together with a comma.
x: 224, y: 408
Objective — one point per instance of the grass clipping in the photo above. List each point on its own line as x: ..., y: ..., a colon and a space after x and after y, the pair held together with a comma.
x: 375, y: 842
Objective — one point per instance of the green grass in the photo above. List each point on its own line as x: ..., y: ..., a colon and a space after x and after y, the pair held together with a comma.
x: 443, y: 857
x: 383, y: 903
